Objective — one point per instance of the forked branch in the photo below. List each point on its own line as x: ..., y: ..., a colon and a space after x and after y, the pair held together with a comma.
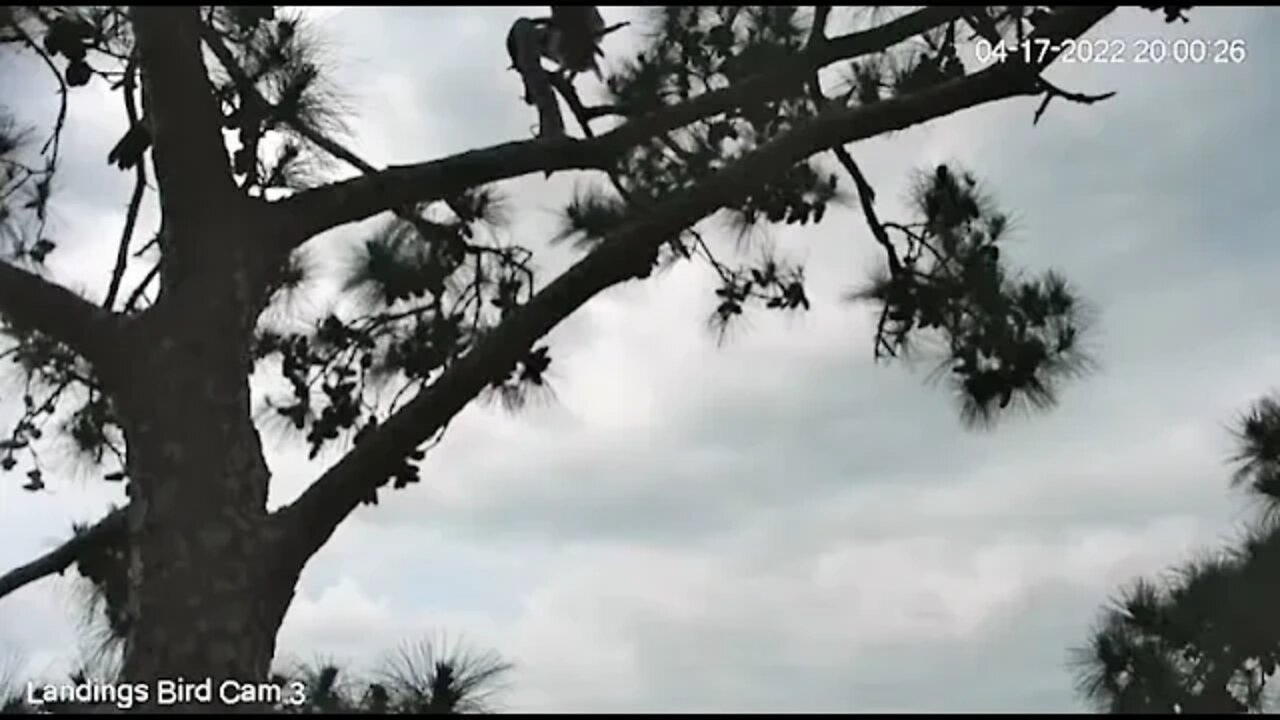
x: 625, y: 253
x: 353, y: 200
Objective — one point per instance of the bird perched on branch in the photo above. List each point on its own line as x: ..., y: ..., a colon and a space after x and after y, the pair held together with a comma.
x: 572, y: 37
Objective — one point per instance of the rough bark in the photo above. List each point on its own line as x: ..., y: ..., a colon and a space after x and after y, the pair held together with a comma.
x: 207, y: 594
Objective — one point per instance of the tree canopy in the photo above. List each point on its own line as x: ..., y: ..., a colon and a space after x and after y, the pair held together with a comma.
x: 1204, y: 638
x: 723, y: 111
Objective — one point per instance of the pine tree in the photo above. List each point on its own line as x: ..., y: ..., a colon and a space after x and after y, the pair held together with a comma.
x: 721, y: 112
x: 1206, y: 640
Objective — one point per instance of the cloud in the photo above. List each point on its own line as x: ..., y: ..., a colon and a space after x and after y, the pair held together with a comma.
x: 782, y: 524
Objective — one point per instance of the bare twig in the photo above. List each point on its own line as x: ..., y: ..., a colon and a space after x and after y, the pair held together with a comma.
x: 135, y: 202
x: 54, y: 143
x: 1052, y: 91
x: 147, y: 246
x: 55, y: 137
x: 139, y: 292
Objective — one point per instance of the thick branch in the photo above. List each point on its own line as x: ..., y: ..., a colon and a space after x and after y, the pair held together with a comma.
x: 30, y: 302
x: 627, y: 252
x: 352, y: 200
x: 108, y: 529
x: 188, y: 150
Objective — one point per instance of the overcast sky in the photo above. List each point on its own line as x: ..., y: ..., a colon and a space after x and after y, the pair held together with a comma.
x: 781, y: 524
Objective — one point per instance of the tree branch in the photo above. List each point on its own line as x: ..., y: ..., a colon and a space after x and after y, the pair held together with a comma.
x: 188, y: 150
x: 866, y: 194
x: 249, y: 93
x: 818, y: 30
x: 135, y: 202
x: 564, y: 86
x: 982, y: 24
x: 140, y: 291
x: 250, y: 96
x: 329, y: 206
x: 108, y: 529
x: 625, y: 253
x: 30, y: 302
x: 1052, y: 91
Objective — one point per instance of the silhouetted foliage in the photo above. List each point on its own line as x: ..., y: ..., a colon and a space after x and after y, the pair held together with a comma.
x: 1006, y: 339
x: 1208, y: 638
x: 435, y: 307
x: 434, y: 676
x: 427, y: 289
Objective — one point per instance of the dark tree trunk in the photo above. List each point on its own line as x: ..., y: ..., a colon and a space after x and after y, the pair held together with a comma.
x: 207, y: 589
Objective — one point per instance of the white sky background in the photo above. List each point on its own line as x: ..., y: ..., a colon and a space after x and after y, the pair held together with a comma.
x: 780, y: 524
